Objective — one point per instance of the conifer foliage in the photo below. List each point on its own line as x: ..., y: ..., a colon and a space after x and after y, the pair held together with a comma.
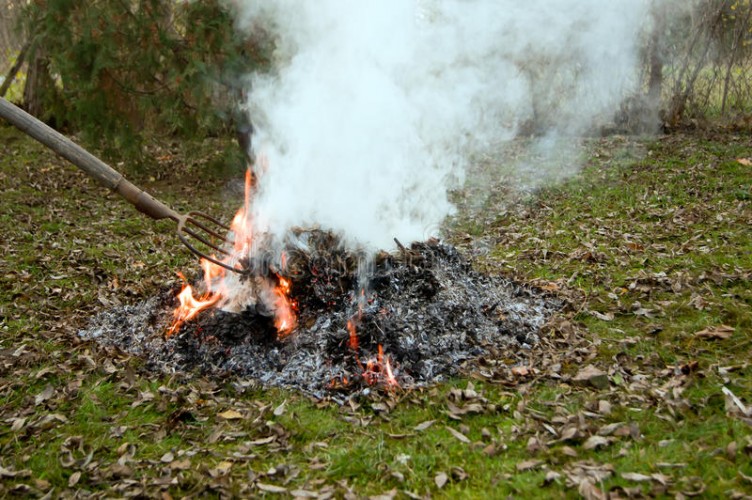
x: 125, y: 69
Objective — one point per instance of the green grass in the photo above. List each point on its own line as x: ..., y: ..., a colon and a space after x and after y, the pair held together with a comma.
x: 661, y: 223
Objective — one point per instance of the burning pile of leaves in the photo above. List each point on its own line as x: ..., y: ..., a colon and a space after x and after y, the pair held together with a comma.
x: 408, y: 318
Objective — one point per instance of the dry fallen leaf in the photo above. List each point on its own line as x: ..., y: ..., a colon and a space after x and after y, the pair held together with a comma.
x: 424, y: 425
x: 520, y: 371
x: 458, y: 435
x: 635, y: 476
x: 594, y: 442
x: 721, y: 332
x: 608, y: 316
x: 734, y: 405
x: 744, y: 161
x: 568, y: 451
x: 304, y: 494
x: 17, y: 424
x: 604, y: 407
x: 230, y: 415
x: 73, y: 479
x: 11, y: 473
x: 180, y: 464
x: 222, y: 469
x: 43, y: 396
x: 440, y: 479
x: 271, y: 488
x: 280, y: 410
x: 590, y: 375
x: 389, y: 495
x: 529, y: 465
x: 551, y: 476
x: 589, y: 491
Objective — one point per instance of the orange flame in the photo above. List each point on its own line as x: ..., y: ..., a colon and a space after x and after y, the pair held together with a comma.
x: 242, y: 223
x: 353, y: 335
x: 284, y: 315
x: 390, y: 380
x: 190, y: 306
x: 214, y: 275
x: 379, y: 370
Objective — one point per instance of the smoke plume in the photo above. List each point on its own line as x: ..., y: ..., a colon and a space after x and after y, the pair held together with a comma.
x: 374, y: 108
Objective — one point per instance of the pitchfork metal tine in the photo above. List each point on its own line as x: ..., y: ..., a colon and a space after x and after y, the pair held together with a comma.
x: 191, y: 219
x: 202, y: 255
x: 184, y: 227
x: 202, y: 240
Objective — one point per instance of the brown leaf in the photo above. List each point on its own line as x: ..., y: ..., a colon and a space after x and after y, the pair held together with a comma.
x: 721, y: 332
x: 604, y: 407
x: 73, y: 479
x: 43, y: 396
x: 589, y: 491
x: 400, y: 436
x: 440, y: 479
x: 459, y: 474
x: 180, y: 464
x: 591, y: 375
x: 18, y: 424
x: 271, y: 488
x: 280, y: 410
x: 661, y: 478
x: 569, y: 451
x: 609, y: 429
x: 389, y: 495
x: 534, y: 445
x: 304, y: 494
x: 571, y: 433
x: 551, y: 476
x: 594, y: 442
x: 119, y: 471
x: 12, y: 473
x: 230, y: 415
x: 262, y: 441
x: 529, y: 465
x: 222, y: 469
x: 608, y: 316
x: 458, y: 434
x: 636, y: 477
x: 520, y: 371
x: 734, y: 405
x: 744, y: 161
x: 424, y: 425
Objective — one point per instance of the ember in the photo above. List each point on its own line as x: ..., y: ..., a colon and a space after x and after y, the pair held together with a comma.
x: 416, y: 317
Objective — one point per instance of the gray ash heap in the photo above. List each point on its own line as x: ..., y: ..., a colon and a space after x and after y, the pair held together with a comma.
x: 421, y: 316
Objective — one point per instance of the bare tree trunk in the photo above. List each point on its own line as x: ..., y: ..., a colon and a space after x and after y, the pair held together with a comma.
x: 655, y: 58
x: 40, y: 87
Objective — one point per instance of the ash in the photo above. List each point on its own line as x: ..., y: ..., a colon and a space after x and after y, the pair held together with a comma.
x: 431, y: 313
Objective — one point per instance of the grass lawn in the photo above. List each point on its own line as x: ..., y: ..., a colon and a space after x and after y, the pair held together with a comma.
x: 650, y: 246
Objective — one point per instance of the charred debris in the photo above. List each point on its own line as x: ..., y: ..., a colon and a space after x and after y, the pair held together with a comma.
x: 413, y: 317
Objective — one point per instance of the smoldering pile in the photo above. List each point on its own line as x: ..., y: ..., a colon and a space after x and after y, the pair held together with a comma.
x: 423, y: 307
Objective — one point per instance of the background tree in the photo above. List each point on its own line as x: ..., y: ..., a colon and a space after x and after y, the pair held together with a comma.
x: 120, y: 71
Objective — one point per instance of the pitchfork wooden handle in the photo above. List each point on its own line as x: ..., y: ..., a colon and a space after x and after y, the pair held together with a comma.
x: 96, y: 168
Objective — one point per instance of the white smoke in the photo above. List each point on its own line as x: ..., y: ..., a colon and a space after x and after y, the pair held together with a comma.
x: 374, y: 107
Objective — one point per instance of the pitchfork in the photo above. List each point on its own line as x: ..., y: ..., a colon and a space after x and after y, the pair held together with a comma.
x: 193, y: 225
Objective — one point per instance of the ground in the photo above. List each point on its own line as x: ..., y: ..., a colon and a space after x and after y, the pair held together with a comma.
x: 641, y: 386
